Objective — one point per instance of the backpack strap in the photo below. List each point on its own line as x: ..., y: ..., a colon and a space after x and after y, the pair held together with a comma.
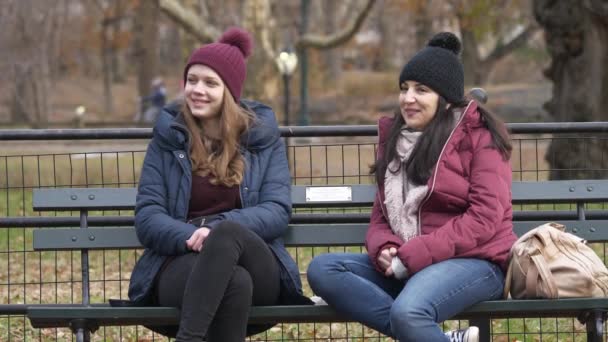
x: 508, y: 278
x: 531, y: 281
x: 541, y: 270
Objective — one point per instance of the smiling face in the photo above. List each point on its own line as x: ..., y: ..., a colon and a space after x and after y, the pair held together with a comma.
x: 204, y: 92
x: 418, y: 104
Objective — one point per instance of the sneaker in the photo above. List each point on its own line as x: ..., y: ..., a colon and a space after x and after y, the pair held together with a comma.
x: 318, y: 300
x: 470, y: 334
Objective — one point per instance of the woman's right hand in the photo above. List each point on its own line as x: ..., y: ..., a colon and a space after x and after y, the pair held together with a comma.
x: 385, y: 258
x: 195, y: 242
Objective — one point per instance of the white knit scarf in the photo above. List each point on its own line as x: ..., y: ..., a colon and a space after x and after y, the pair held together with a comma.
x: 402, y: 198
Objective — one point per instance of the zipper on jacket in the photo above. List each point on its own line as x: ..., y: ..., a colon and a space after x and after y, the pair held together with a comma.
x: 241, y: 193
x: 243, y: 186
x: 186, y: 154
x: 383, y: 209
x: 432, y: 188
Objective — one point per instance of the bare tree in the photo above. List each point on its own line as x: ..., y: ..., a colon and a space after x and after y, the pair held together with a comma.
x: 423, y: 22
x: 27, y: 37
x: 332, y: 57
x: 576, y: 33
x: 501, y: 21
x: 105, y: 50
x: 200, y: 27
x: 257, y: 16
x: 146, y: 49
x: 117, y: 47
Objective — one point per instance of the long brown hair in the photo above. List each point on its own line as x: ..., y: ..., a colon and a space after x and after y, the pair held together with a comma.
x: 219, y: 159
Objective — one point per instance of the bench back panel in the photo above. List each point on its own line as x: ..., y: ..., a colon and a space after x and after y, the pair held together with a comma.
x: 124, y: 198
x: 84, y: 199
x: 306, y: 233
x: 306, y: 196
x: 299, y: 235
x: 560, y: 191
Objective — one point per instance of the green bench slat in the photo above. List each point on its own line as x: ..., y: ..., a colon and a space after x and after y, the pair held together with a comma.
x: 565, y: 307
x: 85, y: 198
x: 591, y: 230
x: 91, y: 238
x: 116, y: 238
x: 42, y: 317
x: 560, y: 191
x: 124, y: 198
x: 362, y: 195
x: 297, y: 235
x: 326, y: 234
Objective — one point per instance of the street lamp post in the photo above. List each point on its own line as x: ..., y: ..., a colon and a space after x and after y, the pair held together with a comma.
x: 287, y: 61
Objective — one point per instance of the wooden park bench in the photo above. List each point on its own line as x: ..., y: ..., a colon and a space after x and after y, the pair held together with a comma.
x: 331, y: 227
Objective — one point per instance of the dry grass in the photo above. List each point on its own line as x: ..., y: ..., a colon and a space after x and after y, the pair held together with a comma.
x: 369, y: 84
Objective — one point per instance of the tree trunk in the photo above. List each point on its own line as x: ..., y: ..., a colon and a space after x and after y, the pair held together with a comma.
x: 117, y: 52
x: 470, y: 58
x: 106, y: 66
x: 302, y: 50
x: 18, y: 106
x: 146, y: 44
x: 332, y: 57
x: 171, y: 51
x: 33, y: 28
x: 577, y: 39
x: 260, y: 68
x: 423, y: 25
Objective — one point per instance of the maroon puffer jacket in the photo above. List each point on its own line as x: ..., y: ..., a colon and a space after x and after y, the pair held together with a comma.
x: 467, y: 212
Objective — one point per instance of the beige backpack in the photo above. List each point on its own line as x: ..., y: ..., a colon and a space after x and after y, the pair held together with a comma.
x: 547, y: 262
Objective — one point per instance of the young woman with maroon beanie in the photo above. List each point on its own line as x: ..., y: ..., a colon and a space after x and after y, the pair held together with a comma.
x: 213, y: 202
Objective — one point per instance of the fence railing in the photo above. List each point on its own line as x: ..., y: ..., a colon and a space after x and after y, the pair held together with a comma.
x: 32, y: 159
x: 289, y: 131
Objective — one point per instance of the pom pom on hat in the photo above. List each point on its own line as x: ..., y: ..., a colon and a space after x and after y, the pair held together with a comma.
x: 446, y: 40
x: 437, y: 66
x: 227, y: 58
x: 239, y: 38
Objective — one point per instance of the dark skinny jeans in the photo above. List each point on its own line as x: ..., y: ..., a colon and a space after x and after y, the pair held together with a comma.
x: 216, y: 287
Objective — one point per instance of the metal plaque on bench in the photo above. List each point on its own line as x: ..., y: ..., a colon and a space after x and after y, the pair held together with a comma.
x: 329, y: 194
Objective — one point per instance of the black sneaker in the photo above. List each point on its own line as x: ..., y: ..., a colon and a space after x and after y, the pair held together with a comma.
x: 470, y: 334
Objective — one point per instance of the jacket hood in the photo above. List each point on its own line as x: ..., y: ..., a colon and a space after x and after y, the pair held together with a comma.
x: 171, y: 133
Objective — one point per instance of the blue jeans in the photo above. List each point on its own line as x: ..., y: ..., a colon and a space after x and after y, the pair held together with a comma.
x: 405, y: 310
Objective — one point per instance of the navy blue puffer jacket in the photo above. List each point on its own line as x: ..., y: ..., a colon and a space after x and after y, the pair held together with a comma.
x: 164, y: 193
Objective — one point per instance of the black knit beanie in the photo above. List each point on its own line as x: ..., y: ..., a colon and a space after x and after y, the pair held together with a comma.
x: 437, y: 66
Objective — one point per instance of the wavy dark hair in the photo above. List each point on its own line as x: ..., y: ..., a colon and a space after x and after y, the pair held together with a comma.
x: 425, y: 154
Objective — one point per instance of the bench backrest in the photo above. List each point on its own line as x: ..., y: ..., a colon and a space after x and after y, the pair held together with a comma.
x: 89, y: 199
x: 304, y: 231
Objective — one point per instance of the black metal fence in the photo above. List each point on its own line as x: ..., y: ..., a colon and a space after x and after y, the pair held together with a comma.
x: 32, y: 159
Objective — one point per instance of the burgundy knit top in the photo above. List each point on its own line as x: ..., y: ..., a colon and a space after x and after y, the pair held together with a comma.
x: 209, y: 199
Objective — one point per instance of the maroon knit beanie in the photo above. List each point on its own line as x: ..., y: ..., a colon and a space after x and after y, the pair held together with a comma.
x: 226, y: 57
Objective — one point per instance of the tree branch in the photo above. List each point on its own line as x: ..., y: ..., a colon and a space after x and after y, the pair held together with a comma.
x: 599, y: 8
x: 328, y: 42
x: 502, y: 50
x: 194, y: 24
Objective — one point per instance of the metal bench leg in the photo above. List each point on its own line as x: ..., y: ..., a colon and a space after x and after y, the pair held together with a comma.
x: 83, y: 335
x: 594, y: 322
x: 81, y: 329
x: 484, y: 328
